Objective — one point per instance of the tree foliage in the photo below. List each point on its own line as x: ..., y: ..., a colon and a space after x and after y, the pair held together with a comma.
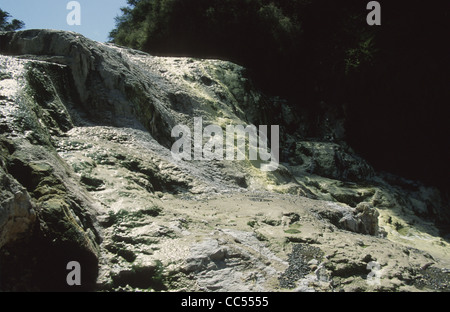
x: 5, y: 25
x: 277, y: 39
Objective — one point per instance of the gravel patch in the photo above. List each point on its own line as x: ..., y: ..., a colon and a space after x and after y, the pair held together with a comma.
x: 300, y: 264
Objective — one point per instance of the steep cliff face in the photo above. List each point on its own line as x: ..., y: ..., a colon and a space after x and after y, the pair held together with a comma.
x: 87, y: 175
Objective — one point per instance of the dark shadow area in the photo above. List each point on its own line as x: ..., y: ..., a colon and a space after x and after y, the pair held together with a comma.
x: 39, y: 264
x: 389, y: 82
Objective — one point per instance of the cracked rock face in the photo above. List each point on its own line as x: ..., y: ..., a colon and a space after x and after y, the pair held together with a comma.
x: 17, y: 214
x: 87, y: 175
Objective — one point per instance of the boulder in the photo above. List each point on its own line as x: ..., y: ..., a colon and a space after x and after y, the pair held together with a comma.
x: 362, y: 219
x: 331, y: 160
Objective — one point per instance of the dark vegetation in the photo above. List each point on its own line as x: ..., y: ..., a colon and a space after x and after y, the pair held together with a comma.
x: 5, y: 25
x: 390, y: 82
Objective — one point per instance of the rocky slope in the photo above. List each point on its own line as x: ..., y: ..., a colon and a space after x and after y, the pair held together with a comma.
x: 87, y: 175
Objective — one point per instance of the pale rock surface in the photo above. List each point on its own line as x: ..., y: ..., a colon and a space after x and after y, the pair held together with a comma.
x: 88, y: 174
